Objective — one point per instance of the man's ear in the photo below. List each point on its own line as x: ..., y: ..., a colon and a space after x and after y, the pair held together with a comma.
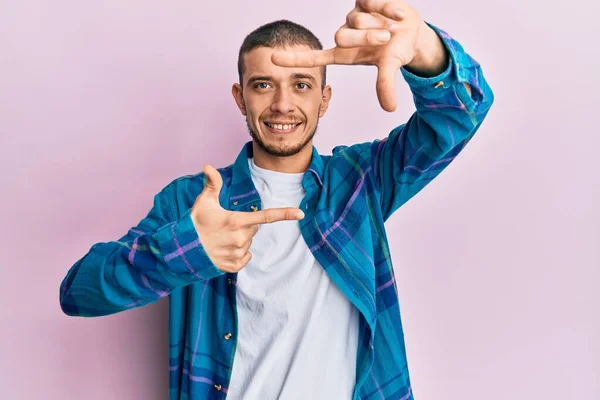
x: 326, y: 96
x: 238, y: 96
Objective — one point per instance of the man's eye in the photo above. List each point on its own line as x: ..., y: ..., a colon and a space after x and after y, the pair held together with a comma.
x: 302, y: 86
x: 261, y: 85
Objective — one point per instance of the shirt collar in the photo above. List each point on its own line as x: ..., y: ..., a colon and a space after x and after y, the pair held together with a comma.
x: 243, y: 190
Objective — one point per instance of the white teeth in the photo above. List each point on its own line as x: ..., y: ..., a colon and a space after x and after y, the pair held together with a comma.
x: 281, y: 126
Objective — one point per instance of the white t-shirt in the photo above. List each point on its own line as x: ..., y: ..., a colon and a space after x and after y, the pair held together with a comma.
x: 298, y: 334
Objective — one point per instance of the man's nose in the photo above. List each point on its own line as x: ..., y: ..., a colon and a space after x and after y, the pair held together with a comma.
x: 282, y: 102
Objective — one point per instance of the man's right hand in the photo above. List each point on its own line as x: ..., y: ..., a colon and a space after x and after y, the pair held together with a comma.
x: 227, y: 235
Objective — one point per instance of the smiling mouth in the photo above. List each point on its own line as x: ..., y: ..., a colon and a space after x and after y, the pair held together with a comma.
x: 282, y: 128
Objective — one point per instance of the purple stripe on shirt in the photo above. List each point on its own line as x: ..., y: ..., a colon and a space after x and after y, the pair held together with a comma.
x: 448, y: 159
x: 379, y: 147
x: 132, y: 251
x: 161, y: 293
x: 181, y: 250
x: 377, y: 385
x: 358, y: 246
x: 412, y: 153
x: 239, y: 196
x: 346, y: 209
x: 407, y: 395
x: 199, y: 324
x: 452, y: 141
x: 437, y: 105
x: 202, y: 379
x: 135, y: 303
x: 388, y: 283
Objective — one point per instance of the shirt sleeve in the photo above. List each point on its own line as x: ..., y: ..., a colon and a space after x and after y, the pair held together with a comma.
x: 446, y: 118
x: 155, y: 257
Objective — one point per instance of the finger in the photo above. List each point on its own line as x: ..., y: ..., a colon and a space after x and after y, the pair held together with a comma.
x: 245, y: 259
x: 251, y: 231
x: 386, y: 85
x: 247, y: 236
x: 303, y: 59
x: 364, y: 20
x: 238, y: 239
x: 246, y: 247
x: 346, y: 37
x: 239, y: 251
x: 237, y: 264
x: 214, y: 181
x: 388, y: 8
x: 270, y: 215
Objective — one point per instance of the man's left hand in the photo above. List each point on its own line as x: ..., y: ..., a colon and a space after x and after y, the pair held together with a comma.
x: 386, y: 33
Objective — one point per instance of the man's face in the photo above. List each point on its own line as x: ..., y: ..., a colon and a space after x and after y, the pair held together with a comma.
x: 282, y: 105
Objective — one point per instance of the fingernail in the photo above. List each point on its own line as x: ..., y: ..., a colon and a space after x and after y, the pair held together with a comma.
x: 383, y: 36
x: 398, y: 13
x: 300, y: 214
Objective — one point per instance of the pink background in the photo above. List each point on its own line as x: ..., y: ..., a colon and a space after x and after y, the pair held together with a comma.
x: 103, y: 103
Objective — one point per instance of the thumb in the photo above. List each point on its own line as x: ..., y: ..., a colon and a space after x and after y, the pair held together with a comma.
x: 386, y: 85
x: 214, y: 182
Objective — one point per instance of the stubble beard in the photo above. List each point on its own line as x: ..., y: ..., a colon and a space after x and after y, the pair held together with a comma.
x: 276, y: 151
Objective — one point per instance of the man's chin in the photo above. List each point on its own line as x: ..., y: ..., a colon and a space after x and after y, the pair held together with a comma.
x: 281, y: 145
x: 280, y: 150
x: 277, y: 147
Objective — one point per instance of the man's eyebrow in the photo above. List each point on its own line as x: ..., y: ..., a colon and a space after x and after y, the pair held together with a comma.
x: 296, y: 76
x: 258, y: 78
x: 305, y: 76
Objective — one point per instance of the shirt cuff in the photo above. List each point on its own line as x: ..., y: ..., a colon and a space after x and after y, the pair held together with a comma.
x: 182, y: 251
x: 462, y: 68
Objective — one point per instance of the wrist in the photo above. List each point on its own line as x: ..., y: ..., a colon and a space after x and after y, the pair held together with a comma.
x: 431, y: 58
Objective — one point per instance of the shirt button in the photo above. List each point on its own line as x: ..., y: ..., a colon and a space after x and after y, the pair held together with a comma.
x: 437, y: 85
x: 227, y: 336
x: 235, y: 203
x: 229, y: 281
x: 253, y: 207
x: 218, y: 387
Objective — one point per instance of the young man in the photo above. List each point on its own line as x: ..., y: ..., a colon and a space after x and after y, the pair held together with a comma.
x: 277, y: 267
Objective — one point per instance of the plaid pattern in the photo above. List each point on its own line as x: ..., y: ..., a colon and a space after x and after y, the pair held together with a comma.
x: 349, y: 196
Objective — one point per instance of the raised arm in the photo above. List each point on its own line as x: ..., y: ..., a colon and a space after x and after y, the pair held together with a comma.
x: 450, y: 109
x: 450, y: 93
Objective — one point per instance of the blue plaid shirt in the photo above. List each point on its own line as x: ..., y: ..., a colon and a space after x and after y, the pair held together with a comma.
x: 349, y: 196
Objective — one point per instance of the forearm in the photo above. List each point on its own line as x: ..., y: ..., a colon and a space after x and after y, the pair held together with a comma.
x: 447, y: 116
x: 433, y: 58
x: 142, y: 267
x: 452, y: 103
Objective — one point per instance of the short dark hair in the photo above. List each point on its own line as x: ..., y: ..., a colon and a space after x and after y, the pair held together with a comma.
x: 279, y: 34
